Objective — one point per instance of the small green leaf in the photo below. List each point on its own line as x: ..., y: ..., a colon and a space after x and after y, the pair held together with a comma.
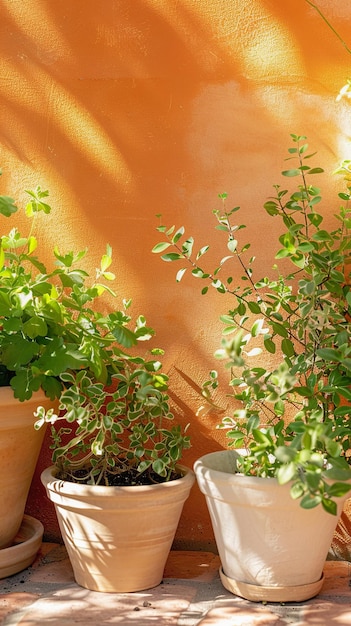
x: 310, y: 502
x: 254, y: 307
x: 261, y: 437
x: 333, y: 448
x: 315, y: 219
x: 7, y: 206
x: 305, y: 247
x: 306, y: 392
x: 337, y: 490
x: 329, y: 354
x: 269, y: 345
x: 160, y: 247
x: 286, y: 473
x: 329, y: 506
x: 172, y: 256
x: 178, y: 234
x: 285, y: 454
x: 279, y: 329
x: 338, y: 473
x: 159, y: 467
x: 187, y: 247
x: 288, y: 347
x: 316, y: 170
x: 322, y: 235
x: 293, y: 172
x: 297, y: 490
x: 106, y: 261
x: 271, y: 207
x: 124, y: 336
x: 35, y: 327
x: 201, y: 252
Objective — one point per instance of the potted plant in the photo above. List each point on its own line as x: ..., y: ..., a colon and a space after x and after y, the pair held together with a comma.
x: 116, y: 482
x: 26, y: 328
x: 275, y: 498
x: 57, y: 341
x: 47, y: 328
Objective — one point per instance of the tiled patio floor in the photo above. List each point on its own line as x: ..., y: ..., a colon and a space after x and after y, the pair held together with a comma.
x: 191, y: 595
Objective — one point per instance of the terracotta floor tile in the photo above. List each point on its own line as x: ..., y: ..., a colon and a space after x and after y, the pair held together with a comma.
x: 202, y: 566
x: 191, y: 595
x: 54, y: 573
x: 47, y: 547
x: 242, y: 615
x: 72, y: 606
x: 12, y: 602
x: 326, y: 613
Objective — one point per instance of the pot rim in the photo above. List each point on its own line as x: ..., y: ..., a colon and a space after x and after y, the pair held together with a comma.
x: 201, y: 468
x: 58, y: 485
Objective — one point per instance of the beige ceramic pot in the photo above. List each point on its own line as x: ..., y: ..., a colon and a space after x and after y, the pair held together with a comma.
x: 118, y: 538
x: 270, y: 548
x: 20, y: 445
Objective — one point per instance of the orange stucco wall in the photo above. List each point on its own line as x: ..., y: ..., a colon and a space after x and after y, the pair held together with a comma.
x: 129, y: 108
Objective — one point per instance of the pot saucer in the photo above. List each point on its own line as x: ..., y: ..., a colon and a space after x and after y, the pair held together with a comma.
x: 258, y: 593
x: 24, y: 548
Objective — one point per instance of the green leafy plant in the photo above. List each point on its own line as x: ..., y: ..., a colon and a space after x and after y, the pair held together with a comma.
x: 118, y: 435
x: 291, y: 409
x: 54, y: 337
x: 47, y: 323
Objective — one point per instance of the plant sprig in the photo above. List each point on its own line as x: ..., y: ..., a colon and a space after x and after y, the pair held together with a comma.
x: 294, y: 408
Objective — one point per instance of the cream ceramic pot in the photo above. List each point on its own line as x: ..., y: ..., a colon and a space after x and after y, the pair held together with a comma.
x: 270, y: 548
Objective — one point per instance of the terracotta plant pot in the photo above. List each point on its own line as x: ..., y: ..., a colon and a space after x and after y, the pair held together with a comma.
x: 20, y: 445
x: 118, y: 538
x: 270, y: 548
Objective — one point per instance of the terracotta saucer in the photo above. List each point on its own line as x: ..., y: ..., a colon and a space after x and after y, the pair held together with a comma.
x: 23, y: 551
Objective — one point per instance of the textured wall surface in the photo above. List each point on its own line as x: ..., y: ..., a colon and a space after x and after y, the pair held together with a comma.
x: 128, y: 108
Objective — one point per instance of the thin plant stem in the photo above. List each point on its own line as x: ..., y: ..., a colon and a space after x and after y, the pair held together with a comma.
x: 314, y: 6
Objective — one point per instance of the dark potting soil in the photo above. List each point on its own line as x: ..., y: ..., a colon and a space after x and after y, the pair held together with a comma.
x: 129, y: 478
